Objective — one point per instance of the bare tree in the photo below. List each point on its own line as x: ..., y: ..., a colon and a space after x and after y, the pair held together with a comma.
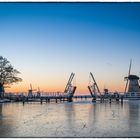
x: 8, y: 74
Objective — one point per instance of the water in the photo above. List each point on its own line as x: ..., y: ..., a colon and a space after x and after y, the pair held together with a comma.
x: 78, y: 119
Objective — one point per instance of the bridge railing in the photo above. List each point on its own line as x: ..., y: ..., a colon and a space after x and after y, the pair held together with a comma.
x: 56, y: 94
x: 132, y: 94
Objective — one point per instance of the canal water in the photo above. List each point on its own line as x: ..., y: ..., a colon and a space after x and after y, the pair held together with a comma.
x: 77, y: 119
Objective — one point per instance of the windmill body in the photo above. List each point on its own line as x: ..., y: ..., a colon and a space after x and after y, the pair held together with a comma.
x: 132, y: 88
x: 133, y: 83
x: 30, y: 93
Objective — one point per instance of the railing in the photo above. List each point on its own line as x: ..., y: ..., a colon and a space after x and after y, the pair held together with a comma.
x: 132, y: 94
x: 56, y: 94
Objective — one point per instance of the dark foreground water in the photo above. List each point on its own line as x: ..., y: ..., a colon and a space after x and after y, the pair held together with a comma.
x: 79, y: 119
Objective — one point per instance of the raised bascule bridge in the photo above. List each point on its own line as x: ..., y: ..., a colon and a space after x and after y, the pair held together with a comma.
x: 37, y: 96
x: 67, y: 95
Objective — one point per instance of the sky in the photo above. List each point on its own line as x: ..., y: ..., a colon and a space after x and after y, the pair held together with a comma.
x: 48, y: 41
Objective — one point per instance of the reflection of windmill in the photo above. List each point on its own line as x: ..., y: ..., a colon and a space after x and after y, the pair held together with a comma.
x: 30, y: 91
x: 132, y: 84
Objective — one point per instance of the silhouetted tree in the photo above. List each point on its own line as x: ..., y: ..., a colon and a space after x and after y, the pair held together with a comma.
x: 8, y: 74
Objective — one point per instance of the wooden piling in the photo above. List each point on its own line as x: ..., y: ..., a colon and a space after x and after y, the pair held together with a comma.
x: 60, y: 99
x: 70, y: 99
x: 94, y: 99
x: 117, y: 99
x: 109, y: 100
x: 41, y: 100
x: 23, y: 100
x: 23, y: 103
x: 48, y: 100
x: 121, y: 99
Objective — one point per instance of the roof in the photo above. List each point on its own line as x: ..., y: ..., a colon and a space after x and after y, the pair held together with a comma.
x: 130, y: 77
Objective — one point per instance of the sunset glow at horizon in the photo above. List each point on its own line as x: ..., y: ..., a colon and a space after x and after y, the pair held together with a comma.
x: 48, y: 41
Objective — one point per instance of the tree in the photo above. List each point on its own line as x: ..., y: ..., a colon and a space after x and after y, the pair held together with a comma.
x: 8, y: 74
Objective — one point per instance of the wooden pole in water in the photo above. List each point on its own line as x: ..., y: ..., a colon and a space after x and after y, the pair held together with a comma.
x: 48, y: 100
x: 23, y: 100
x: 122, y: 99
x: 109, y: 100
x: 60, y: 99
x: 94, y: 99
x: 41, y: 100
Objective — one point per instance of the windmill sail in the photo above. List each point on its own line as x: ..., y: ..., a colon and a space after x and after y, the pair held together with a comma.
x: 128, y: 75
x: 31, y: 86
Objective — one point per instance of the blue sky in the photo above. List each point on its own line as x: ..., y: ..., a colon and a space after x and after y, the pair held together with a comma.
x: 48, y: 41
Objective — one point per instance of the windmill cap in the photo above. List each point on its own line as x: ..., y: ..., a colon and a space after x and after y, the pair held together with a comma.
x: 130, y: 77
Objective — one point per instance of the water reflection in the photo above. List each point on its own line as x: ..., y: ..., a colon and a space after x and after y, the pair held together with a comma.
x: 79, y: 119
x: 133, y: 118
x: 70, y: 118
x: 121, y: 104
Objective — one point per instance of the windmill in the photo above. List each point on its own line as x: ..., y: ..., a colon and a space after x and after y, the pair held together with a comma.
x: 133, y: 81
x: 30, y: 91
x: 126, y: 78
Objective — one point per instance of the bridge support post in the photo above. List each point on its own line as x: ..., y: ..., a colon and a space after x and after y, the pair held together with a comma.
x: 94, y: 99
x: 46, y: 100
x: 121, y: 99
x: 41, y: 100
x: 117, y: 99
x: 109, y: 100
x: 70, y: 99
x: 23, y: 100
x: 60, y: 99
